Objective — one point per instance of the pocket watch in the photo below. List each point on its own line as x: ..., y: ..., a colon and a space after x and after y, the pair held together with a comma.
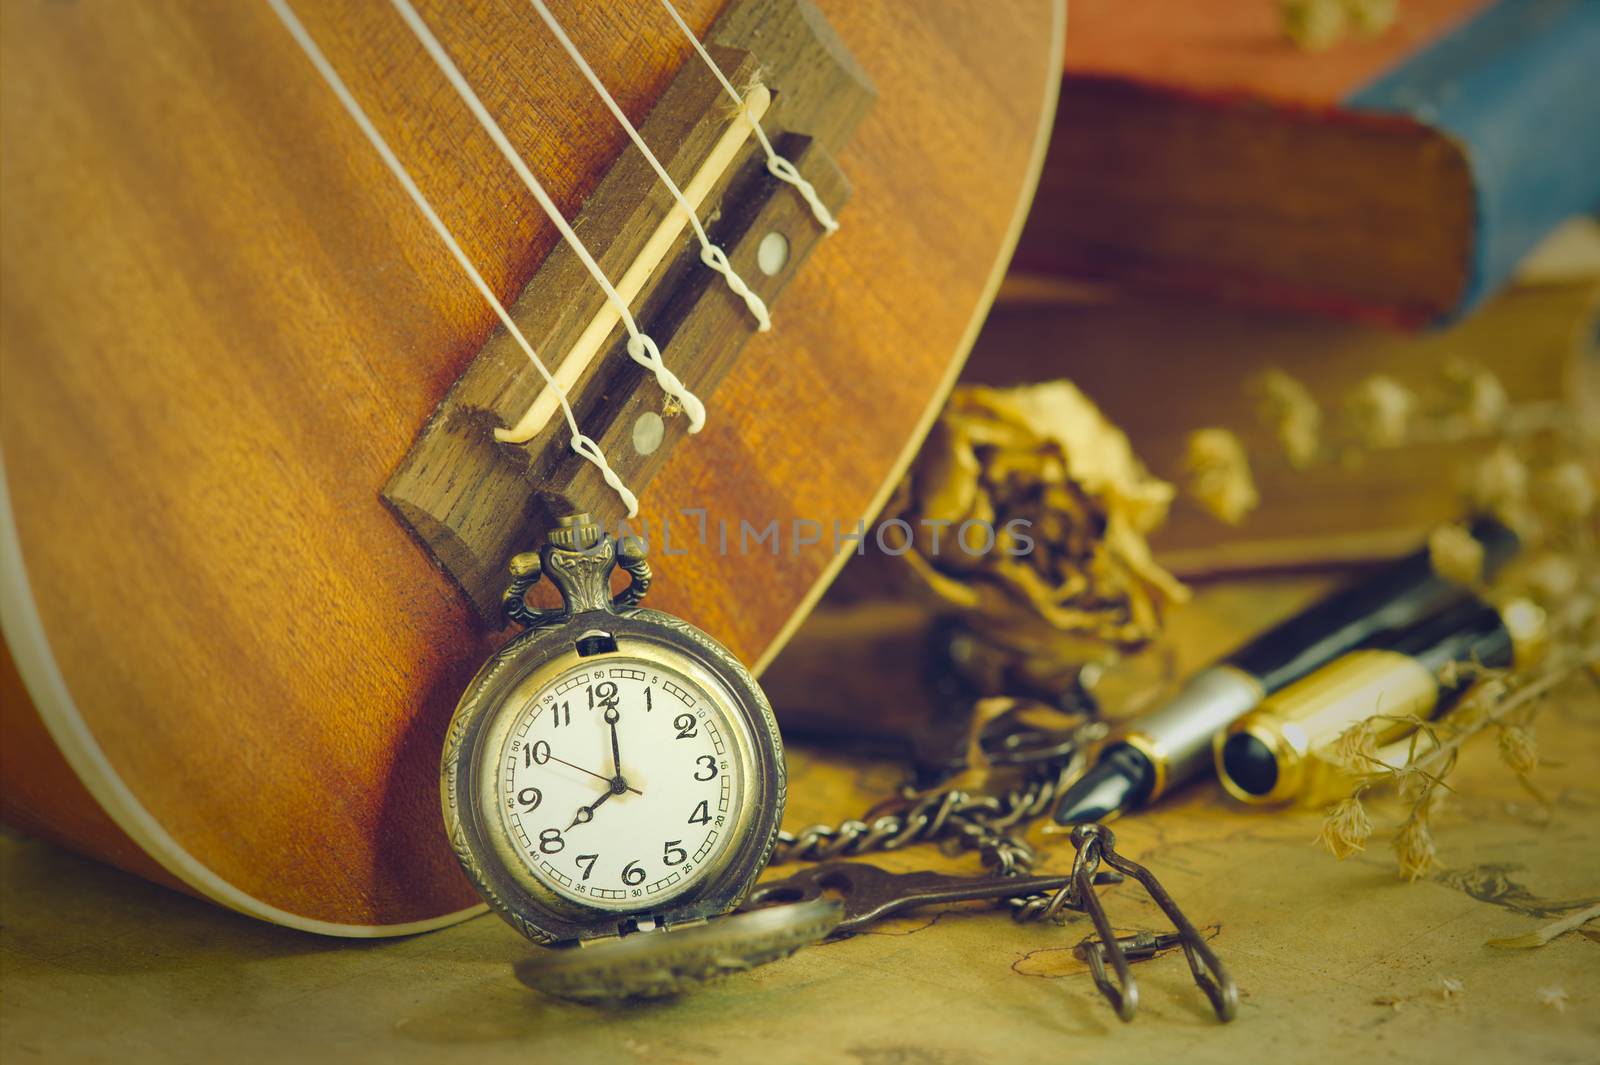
x: 613, y: 776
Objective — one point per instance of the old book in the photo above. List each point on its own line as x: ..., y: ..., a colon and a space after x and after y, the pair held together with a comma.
x: 1396, y: 178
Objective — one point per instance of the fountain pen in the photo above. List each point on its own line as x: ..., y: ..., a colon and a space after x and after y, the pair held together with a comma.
x: 1162, y: 749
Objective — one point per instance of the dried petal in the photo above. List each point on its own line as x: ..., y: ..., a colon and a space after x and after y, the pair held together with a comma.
x: 1219, y: 475
x: 1450, y: 987
x: 1346, y: 828
x: 1382, y: 408
x: 1414, y: 848
x: 1456, y: 555
x: 1519, y: 748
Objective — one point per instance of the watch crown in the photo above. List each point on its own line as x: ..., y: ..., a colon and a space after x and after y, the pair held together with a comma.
x: 576, y: 532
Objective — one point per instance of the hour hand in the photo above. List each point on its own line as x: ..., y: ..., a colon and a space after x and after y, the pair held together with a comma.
x: 585, y: 814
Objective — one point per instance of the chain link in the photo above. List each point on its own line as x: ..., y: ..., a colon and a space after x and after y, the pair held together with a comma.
x: 960, y: 821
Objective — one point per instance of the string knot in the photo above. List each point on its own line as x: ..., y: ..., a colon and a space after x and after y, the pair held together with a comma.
x: 643, y: 351
x: 717, y: 259
x: 586, y: 447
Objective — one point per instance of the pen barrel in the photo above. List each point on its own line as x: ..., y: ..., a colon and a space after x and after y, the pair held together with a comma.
x: 1176, y: 739
x: 1283, y: 748
x: 1392, y: 599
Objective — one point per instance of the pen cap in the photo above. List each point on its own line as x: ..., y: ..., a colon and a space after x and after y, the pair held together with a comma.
x: 1390, y: 600
x: 1265, y: 756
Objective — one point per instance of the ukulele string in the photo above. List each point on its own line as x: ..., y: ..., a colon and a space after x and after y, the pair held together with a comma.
x: 583, y: 445
x: 777, y: 165
x: 641, y: 348
x: 713, y: 256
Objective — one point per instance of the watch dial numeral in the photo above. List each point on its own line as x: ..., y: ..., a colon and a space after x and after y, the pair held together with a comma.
x: 686, y: 725
x: 550, y: 841
x: 587, y: 861
x: 649, y: 701
x: 536, y: 754
x: 603, y: 695
x: 672, y: 852
x: 709, y: 764
x: 561, y: 714
x: 530, y: 798
x: 701, y: 815
x: 632, y: 874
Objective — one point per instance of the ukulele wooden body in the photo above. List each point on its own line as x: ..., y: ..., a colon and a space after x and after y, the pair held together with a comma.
x: 230, y: 665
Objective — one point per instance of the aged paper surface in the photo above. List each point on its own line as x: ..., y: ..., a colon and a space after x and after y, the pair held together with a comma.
x: 1336, y: 961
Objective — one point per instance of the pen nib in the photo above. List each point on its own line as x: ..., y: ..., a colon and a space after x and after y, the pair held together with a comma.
x: 1121, y: 779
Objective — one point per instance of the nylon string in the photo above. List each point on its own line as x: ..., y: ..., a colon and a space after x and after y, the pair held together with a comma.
x: 583, y: 445
x: 777, y: 165
x: 641, y: 348
x: 713, y: 256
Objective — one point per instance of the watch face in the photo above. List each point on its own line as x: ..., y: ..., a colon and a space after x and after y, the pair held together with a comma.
x: 619, y: 782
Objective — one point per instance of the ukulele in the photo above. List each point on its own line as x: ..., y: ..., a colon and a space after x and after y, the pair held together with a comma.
x: 266, y: 450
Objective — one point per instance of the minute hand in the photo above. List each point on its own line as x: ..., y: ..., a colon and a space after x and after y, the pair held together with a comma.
x: 590, y: 772
x: 616, y: 753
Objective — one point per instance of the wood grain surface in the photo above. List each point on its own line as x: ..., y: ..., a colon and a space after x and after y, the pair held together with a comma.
x: 224, y: 324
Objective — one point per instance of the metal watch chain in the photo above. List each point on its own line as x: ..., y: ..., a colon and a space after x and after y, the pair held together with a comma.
x: 962, y: 821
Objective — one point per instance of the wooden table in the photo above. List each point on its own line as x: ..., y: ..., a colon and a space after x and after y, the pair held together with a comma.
x: 1337, y: 961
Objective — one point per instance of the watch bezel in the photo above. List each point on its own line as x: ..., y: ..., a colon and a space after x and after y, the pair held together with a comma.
x: 487, y: 709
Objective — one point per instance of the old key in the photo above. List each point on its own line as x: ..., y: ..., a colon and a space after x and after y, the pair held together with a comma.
x: 869, y: 893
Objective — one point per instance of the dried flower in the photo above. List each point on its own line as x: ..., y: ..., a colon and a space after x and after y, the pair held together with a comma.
x: 1295, y: 418
x: 1219, y: 475
x: 1041, y: 459
x: 1519, y: 749
x: 1357, y: 746
x: 1455, y: 554
x: 1346, y: 828
x: 1552, y: 577
x: 1568, y: 491
x: 1382, y: 408
x: 1313, y: 25
x: 1554, y: 997
x: 1500, y: 482
x: 1414, y: 848
x: 1371, y: 16
x: 1483, y: 398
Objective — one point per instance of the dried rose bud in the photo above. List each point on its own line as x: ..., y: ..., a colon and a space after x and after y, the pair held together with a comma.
x: 1519, y: 749
x: 1382, y: 408
x: 1455, y: 554
x: 1219, y: 475
x: 1346, y: 828
x: 1414, y: 849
